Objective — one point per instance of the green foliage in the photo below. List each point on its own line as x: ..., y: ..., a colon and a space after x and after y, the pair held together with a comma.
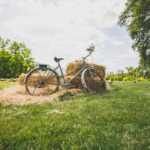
x: 114, y: 121
x: 129, y: 78
x: 142, y: 79
x: 116, y: 77
x: 131, y: 74
x: 136, y: 18
x: 15, y: 58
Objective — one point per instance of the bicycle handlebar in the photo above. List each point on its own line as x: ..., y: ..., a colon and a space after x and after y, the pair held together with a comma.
x: 90, y: 50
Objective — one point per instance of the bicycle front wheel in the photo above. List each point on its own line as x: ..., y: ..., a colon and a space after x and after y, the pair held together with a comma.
x: 42, y: 82
x: 92, y: 81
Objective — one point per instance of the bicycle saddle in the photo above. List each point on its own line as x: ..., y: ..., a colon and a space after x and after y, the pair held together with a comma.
x: 58, y: 59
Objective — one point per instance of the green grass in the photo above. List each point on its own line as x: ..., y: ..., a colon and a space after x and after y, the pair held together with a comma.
x: 116, y: 120
x: 4, y: 84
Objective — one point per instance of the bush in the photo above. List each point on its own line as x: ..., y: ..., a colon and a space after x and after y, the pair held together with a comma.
x: 129, y: 78
x: 116, y: 77
x: 142, y: 79
x: 131, y: 74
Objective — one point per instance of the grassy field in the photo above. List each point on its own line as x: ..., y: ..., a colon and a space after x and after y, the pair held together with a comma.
x: 117, y: 120
x: 4, y: 84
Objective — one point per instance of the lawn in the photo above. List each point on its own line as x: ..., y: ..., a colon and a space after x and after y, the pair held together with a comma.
x: 116, y: 120
x: 4, y: 84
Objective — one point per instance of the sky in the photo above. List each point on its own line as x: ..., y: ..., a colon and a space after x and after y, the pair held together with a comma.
x: 65, y: 28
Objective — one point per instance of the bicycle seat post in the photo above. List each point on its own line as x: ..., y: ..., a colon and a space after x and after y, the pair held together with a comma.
x: 61, y: 71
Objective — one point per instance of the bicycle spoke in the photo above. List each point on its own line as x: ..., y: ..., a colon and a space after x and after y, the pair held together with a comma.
x: 35, y: 89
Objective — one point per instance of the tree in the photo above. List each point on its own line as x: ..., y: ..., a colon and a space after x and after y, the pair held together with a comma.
x: 15, y: 58
x: 136, y: 18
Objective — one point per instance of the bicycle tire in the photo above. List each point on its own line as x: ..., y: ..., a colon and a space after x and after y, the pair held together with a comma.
x: 92, y: 81
x: 38, y: 82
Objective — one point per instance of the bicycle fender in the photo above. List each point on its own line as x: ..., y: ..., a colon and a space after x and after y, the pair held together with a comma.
x: 82, y: 77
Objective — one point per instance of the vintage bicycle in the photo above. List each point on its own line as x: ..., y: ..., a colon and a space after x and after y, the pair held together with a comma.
x: 44, y: 80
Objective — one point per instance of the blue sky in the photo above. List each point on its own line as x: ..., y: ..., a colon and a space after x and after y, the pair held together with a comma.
x: 65, y: 28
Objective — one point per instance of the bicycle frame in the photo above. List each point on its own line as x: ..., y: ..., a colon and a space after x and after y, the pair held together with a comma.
x: 66, y: 83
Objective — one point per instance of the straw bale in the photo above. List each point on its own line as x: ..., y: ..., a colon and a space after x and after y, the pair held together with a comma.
x: 100, y: 69
x: 75, y: 83
x: 74, y: 67
x: 96, y: 85
x: 47, y: 80
x: 52, y: 80
x: 34, y: 78
x: 21, y: 78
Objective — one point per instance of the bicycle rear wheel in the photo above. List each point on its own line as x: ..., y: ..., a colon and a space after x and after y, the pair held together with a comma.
x: 42, y: 82
x: 92, y: 81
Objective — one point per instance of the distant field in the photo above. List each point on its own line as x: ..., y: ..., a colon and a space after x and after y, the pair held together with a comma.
x: 116, y: 120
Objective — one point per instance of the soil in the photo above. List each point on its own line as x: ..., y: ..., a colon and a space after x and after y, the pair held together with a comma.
x: 17, y: 95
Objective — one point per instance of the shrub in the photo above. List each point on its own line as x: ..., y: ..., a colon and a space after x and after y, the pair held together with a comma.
x: 129, y: 78
x: 142, y: 79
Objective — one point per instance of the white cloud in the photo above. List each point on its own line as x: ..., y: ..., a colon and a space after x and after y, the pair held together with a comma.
x: 65, y: 28
x: 1, y: 2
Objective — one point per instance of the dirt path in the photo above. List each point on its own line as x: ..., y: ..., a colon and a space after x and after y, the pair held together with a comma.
x: 17, y: 95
